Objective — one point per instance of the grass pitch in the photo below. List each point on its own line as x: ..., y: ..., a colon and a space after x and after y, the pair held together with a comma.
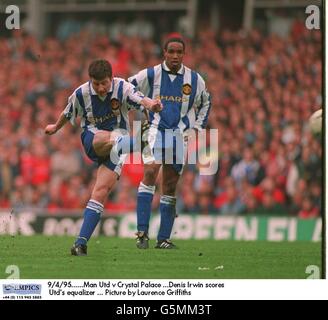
x: 42, y: 257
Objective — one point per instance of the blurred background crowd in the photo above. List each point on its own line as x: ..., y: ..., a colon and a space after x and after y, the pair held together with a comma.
x: 264, y: 87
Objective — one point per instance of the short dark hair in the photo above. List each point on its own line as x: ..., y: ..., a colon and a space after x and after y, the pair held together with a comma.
x: 100, y: 69
x: 174, y: 39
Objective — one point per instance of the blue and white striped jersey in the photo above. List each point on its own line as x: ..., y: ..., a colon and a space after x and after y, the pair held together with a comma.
x: 184, y: 97
x: 108, y: 113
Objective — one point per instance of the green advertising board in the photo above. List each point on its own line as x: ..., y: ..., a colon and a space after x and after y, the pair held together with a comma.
x: 248, y: 228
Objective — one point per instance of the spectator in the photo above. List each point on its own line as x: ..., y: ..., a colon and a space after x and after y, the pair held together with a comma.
x: 308, y: 209
x: 263, y: 88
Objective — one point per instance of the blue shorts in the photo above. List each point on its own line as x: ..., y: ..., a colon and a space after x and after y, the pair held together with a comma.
x: 113, y: 162
x: 166, y: 147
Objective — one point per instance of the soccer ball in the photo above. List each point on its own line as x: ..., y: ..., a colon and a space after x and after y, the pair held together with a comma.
x: 315, y: 122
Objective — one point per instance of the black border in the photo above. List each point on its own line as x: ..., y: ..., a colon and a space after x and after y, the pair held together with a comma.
x: 324, y: 245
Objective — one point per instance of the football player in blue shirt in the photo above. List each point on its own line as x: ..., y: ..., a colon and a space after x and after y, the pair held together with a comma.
x: 102, y: 103
x: 186, y: 106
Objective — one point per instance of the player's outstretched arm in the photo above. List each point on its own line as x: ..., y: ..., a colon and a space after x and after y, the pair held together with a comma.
x: 152, y: 105
x: 53, y: 128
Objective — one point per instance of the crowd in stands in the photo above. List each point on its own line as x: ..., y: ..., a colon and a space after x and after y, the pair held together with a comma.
x: 264, y: 89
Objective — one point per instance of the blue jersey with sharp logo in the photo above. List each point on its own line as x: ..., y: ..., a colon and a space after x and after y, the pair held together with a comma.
x: 184, y: 97
x: 103, y: 113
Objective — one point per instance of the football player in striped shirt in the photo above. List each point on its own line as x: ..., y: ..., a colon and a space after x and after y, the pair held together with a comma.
x: 102, y: 104
x: 186, y: 106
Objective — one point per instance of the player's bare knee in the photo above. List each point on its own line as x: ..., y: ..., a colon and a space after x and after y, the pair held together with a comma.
x: 101, y: 137
x: 102, y: 144
x: 98, y: 139
x: 110, y: 144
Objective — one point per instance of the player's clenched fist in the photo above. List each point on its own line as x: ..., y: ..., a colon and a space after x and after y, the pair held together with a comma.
x: 50, y: 129
x: 152, y: 105
x: 157, y: 107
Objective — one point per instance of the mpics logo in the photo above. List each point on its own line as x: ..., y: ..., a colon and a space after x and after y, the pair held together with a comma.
x: 21, y: 288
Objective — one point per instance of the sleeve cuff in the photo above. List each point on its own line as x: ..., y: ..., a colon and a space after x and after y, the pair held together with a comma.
x: 68, y: 115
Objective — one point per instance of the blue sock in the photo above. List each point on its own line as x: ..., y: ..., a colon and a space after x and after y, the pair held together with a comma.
x: 125, y: 144
x: 167, y: 209
x: 91, y: 218
x: 144, y: 200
